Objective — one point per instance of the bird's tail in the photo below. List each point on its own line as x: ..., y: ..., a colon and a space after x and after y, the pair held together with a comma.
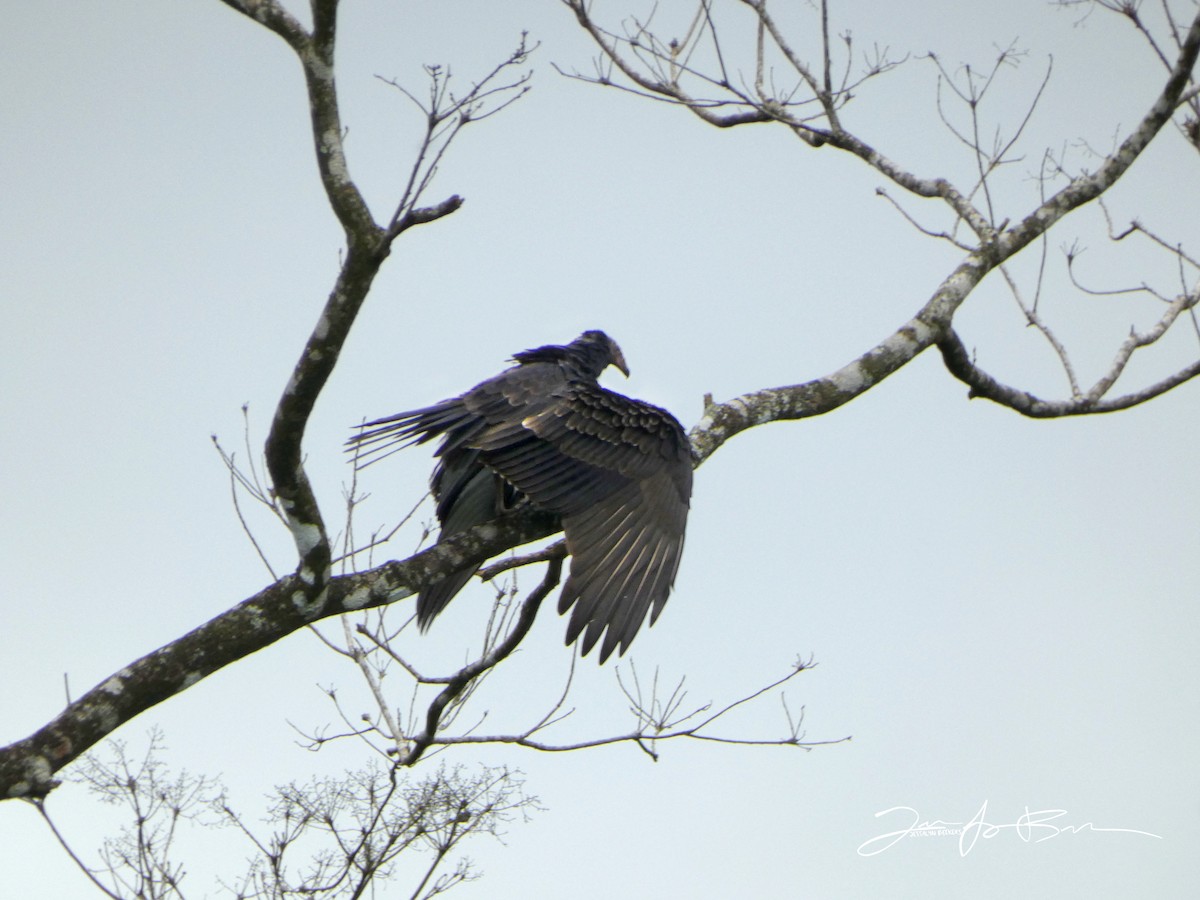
x: 383, y: 437
x: 433, y: 599
x: 467, y: 494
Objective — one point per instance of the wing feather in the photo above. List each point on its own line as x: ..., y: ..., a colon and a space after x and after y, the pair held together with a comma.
x: 625, y: 553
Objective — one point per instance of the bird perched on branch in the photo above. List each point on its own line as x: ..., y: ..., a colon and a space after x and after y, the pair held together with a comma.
x: 617, y: 471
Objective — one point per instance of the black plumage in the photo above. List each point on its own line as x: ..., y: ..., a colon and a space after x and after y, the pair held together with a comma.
x: 617, y: 471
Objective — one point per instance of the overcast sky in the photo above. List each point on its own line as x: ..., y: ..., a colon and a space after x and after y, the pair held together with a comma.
x: 1003, y: 611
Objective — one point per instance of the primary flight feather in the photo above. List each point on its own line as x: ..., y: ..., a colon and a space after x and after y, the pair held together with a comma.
x: 617, y: 471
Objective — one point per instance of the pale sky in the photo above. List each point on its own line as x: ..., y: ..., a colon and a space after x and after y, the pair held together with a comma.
x: 1002, y: 610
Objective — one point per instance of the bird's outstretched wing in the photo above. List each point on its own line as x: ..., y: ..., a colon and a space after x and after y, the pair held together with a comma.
x: 618, y: 472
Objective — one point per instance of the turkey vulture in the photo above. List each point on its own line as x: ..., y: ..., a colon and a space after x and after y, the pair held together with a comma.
x: 617, y: 471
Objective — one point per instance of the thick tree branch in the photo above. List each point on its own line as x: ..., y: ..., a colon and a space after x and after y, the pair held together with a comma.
x: 271, y: 14
x: 27, y: 767
x: 721, y: 421
x: 959, y: 363
x: 315, y: 52
x: 283, y: 446
x: 366, y: 251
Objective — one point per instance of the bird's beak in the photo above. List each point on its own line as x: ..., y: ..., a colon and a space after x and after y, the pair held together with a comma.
x: 619, y: 362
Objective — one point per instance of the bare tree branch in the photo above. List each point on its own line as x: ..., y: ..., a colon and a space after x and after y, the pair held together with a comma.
x: 721, y: 421
x: 959, y: 364
x: 657, y: 720
x: 367, y: 246
x: 465, y: 676
x: 27, y: 767
x: 932, y: 323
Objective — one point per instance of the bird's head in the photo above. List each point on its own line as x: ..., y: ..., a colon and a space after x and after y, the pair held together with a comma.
x: 600, y: 351
x: 586, y: 356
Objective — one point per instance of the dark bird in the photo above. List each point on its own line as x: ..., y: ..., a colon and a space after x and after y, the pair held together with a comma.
x: 617, y: 471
